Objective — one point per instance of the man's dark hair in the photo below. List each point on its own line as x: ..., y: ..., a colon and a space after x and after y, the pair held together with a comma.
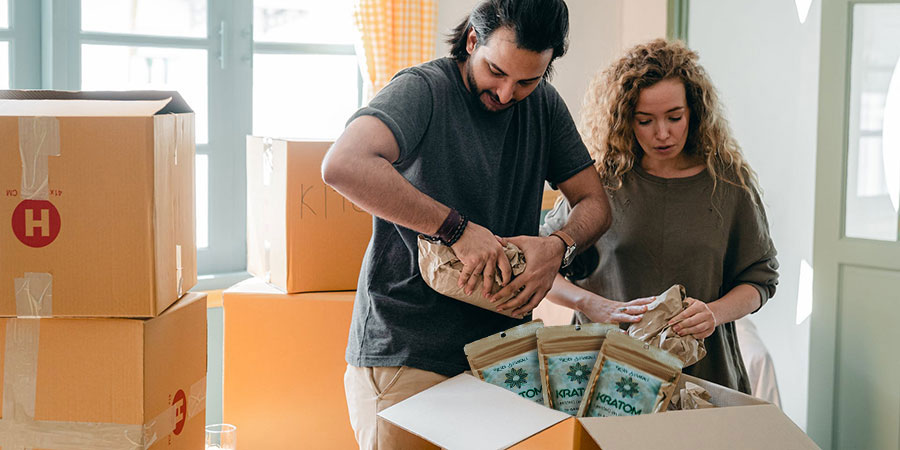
x: 539, y: 25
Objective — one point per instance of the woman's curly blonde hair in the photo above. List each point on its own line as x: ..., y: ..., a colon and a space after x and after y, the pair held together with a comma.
x: 609, y: 106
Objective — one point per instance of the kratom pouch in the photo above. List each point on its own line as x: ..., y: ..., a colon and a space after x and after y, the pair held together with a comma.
x: 567, y: 355
x: 691, y: 396
x: 441, y: 268
x: 630, y: 378
x: 653, y: 328
x: 509, y: 360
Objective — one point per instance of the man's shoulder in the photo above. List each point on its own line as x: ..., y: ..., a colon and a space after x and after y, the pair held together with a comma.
x: 436, y: 70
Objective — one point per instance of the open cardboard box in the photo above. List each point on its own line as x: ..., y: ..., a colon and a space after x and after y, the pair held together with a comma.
x: 466, y: 413
x: 97, y: 201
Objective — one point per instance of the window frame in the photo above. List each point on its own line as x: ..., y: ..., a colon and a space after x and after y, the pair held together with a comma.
x: 45, y: 53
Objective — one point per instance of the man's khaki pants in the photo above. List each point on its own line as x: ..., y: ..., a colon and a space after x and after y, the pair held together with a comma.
x: 372, y: 389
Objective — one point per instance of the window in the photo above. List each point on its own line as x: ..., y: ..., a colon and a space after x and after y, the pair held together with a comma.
x: 303, y: 56
x: 267, y: 67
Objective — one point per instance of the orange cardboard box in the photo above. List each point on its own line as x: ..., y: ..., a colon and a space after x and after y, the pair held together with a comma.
x: 465, y: 412
x: 302, y: 236
x: 284, y: 367
x: 100, y: 189
x: 105, y: 383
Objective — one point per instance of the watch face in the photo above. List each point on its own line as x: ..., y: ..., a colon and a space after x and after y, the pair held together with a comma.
x: 570, y: 250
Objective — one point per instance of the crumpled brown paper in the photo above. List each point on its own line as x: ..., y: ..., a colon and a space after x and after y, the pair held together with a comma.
x: 654, y: 329
x: 440, y: 269
x: 691, y: 396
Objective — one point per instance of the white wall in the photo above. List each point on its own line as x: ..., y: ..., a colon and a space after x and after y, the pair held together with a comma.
x: 599, y: 30
x: 765, y: 64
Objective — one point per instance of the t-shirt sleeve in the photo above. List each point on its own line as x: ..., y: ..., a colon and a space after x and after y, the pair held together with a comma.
x: 405, y: 106
x: 751, y: 259
x: 568, y: 154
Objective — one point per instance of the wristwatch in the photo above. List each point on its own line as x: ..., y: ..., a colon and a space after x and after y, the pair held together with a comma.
x: 570, y: 247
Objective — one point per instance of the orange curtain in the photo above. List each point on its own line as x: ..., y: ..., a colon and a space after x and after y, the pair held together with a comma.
x: 394, y: 34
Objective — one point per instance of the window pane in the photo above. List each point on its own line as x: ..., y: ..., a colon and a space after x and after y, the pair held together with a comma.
x: 305, y: 21
x: 873, y: 150
x: 4, y: 13
x: 117, y: 67
x: 202, y: 193
x: 303, y: 96
x: 4, y: 65
x: 153, y: 17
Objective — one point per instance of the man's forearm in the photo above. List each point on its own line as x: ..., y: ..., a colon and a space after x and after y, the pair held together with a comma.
x: 375, y: 186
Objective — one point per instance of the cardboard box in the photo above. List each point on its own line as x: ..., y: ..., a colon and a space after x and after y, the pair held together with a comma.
x: 100, y: 189
x: 302, y: 236
x: 105, y: 383
x: 284, y: 367
x: 466, y: 413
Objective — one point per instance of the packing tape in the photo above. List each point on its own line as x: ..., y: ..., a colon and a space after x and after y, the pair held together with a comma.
x: 267, y: 261
x: 38, y: 139
x: 19, y: 430
x: 179, y: 271
x: 34, y: 295
x: 268, y: 165
x: 164, y: 424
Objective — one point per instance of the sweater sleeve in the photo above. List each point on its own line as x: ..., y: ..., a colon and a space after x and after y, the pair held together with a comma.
x: 751, y: 257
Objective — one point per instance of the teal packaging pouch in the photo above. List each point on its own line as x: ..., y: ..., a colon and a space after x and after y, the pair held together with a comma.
x: 630, y: 378
x: 509, y: 360
x: 567, y: 356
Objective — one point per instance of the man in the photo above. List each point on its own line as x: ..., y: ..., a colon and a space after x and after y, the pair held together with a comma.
x: 458, y: 148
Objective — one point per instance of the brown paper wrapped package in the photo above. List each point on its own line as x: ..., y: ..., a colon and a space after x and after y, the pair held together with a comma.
x: 691, y: 396
x: 440, y: 269
x: 654, y: 329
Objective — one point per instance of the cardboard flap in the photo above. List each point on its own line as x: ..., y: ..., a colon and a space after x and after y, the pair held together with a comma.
x: 91, y: 103
x: 720, y: 395
x: 466, y: 413
x: 762, y: 427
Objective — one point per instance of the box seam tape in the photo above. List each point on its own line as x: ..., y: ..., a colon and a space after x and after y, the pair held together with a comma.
x: 38, y: 139
x: 34, y: 295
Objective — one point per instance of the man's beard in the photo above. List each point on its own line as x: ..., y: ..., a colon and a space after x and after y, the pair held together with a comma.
x: 476, y: 92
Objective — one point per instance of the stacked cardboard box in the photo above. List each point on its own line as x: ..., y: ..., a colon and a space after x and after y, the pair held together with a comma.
x: 302, y: 236
x: 285, y: 340
x: 97, y: 349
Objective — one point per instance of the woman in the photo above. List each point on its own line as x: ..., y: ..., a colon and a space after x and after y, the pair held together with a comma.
x: 686, y: 207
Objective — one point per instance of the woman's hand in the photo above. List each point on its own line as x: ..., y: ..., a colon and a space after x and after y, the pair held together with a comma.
x: 603, y: 310
x: 696, y: 320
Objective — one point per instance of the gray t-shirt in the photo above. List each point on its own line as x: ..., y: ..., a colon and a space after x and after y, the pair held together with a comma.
x: 675, y: 231
x: 489, y: 166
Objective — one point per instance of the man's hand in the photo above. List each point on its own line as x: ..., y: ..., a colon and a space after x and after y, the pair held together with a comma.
x: 481, y: 254
x: 543, y: 256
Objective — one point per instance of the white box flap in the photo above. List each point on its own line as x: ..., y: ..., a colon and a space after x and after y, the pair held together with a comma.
x: 466, y: 413
x: 762, y: 427
x: 82, y: 108
x: 40, y: 102
x: 254, y: 285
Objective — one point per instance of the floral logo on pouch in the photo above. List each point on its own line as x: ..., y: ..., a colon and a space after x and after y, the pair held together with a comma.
x: 515, y: 378
x: 627, y: 387
x: 578, y: 373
